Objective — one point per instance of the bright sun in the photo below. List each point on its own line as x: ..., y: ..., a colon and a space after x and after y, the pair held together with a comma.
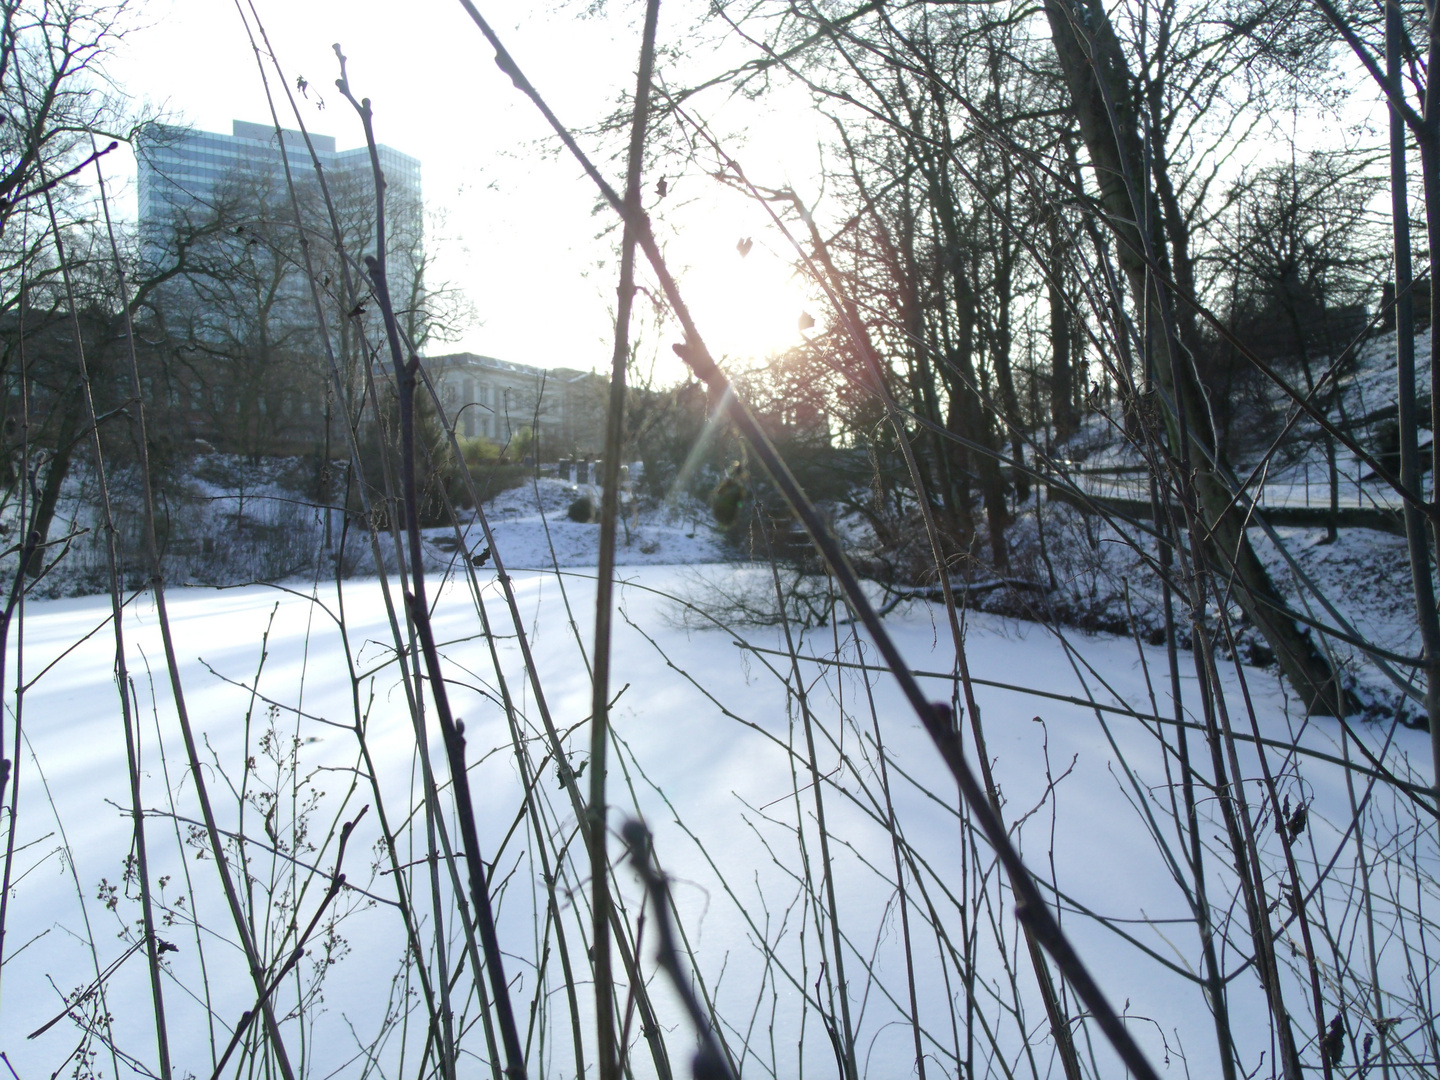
x: 749, y: 306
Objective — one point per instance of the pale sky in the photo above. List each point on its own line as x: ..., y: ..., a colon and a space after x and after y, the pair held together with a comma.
x: 521, y: 234
x: 519, y: 237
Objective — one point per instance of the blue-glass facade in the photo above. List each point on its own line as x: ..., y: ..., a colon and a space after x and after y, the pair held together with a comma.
x: 182, y: 167
x: 242, y: 305
x: 184, y: 173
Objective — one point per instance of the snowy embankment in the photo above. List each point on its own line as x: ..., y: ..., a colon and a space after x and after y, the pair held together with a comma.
x: 533, y: 529
x: 709, y: 749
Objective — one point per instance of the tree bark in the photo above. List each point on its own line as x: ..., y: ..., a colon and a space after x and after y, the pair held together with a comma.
x: 967, y: 415
x: 1407, y: 411
x: 1000, y: 355
x: 1101, y: 90
x: 1062, y: 375
x: 55, y: 473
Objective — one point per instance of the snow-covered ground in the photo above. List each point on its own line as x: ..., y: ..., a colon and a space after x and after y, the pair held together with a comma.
x: 710, y: 750
x: 532, y: 528
x: 226, y: 520
x: 1298, y: 473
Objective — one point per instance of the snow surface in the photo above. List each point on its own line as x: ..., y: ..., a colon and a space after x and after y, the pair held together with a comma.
x: 532, y: 527
x: 704, y: 727
x: 1297, y: 475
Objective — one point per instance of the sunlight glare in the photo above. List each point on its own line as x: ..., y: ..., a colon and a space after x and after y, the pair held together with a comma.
x: 748, y: 307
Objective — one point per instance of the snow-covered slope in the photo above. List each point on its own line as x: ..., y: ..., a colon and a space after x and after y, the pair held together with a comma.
x: 532, y: 527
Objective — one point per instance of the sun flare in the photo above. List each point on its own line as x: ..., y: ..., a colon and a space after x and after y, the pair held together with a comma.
x: 752, y: 305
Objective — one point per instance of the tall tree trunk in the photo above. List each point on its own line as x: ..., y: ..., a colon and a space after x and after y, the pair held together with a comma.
x: 907, y: 270
x: 1100, y: 86
x: 1004, y: 372
x: 55, y: 473
x: 1062, y: 375
x: 968, y: 417
x: 1407, y: 418
x: 967, y: 414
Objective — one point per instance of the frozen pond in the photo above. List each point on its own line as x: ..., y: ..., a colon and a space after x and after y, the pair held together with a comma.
x: 710, y: 749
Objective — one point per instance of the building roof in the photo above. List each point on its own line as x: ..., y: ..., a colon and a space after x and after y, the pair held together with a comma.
x: 487, y: 363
